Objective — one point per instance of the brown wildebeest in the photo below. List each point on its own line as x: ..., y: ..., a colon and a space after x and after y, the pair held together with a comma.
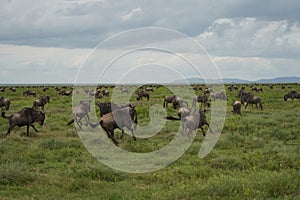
x: 13, y: 89
x: 29, y: 93
x: 243, y: 93
x: 193, y: 122
x: 2, y: 89
x: 183, y: 112
x: 142, y: 94
x: 271, y: 86
x: 107, y: 107
x: 292, y: 95
x: 41, y: 102
x: 251, y: 99
x: 4, y: 102
x: 236, y: 107
x: 259, y: 90
x: 81, y: 111
x: 25, y: 117
x: 202, y: 99
x: 218, y: 95
x: 176, y: 101
x: 121, y: 118
x: 149, y: 89
x: 65, y: 93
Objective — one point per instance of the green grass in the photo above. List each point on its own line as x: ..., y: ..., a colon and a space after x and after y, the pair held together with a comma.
x: 256, y: 156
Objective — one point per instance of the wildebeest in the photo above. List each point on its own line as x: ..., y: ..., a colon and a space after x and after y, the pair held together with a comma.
x: 105, y: 93
x: 243, y: 93
x: 65, y: 93
x: 292, y: 95
x: 218, y: 95
x: 193, y: 122
x: 121, y: 118
x: 41, y: 102
x: 202, y: 99
x: 237, y: 107
x: 142, y: 94
x: 176, y: 101
x: 183, y: 112
x: 25, y: 117
x: 27, y: 93
x: 251, y: 99
x: 149, y: 89
x: 81, y: 111
x: 4, y: 102
x: 107, y: 107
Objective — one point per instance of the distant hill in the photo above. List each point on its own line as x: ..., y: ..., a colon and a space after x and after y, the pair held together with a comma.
x: 234, y: 80
x: 280, y: 80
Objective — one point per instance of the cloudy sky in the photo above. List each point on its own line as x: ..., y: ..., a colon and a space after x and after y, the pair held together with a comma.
x: 48, y: 41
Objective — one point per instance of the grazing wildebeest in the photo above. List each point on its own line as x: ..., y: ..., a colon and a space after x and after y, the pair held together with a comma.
x: 178, y: 102
x: 149, y: 89
x: 4, y: 102
x: 2, y: 89
x: 65, y: 93
x: 202, y: 99
x: 236, y: 107
x: 45, y: 88
x: 121, y: 118
x: 282, y: 87
x: 218, y: 95
x: 243, y: 93
x: 142, y: 94
x: 29, y: 93
x: 41, y: 102
x: 271, y: 86
x: 81, y: 111
x: 168, y: 99
x: 25, y: 117
x: 251, y: 99
x: 13, y: 89
x: 291, y: 95
x: 259, y: 90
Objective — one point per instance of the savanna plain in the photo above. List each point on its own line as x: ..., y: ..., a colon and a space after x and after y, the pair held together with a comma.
x: 257, y: 155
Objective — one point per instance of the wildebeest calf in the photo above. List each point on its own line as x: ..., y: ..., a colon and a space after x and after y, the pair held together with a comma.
x: 25, y: 117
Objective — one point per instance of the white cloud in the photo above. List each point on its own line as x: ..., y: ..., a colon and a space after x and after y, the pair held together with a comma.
x: 131, y: 14
x: 252, y: 37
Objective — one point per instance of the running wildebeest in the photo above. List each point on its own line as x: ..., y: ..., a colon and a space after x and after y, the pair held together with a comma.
x: 142, y: 94
x: 4, y: 102
x: 193, y: 122
x: 292, y: 95
x: 218, y: 95
x: 81, y: 111
x: 25, y: 117
x: 251, y: 99
x: 236, y: 107
x: 121, y: 118
x: 41, y: 102
x: 29, y: 93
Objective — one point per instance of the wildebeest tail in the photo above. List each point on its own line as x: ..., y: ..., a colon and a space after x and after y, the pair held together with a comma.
x: 70, y: 122
x: 3, y: 115
x: 172, y: 118
x: 95, y: 125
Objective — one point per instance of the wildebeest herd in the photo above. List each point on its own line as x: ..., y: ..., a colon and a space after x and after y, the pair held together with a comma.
x: 113, y: 116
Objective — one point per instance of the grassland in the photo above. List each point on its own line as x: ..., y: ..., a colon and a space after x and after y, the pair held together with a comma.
x: 256, y: 157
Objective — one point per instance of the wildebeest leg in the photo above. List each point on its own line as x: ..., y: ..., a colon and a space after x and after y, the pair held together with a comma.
x: 34, y: 128
x: 203, y: 133
x: 122, y: 134
x: 112, y: 137
x: 132, y: 132
x: 9, y: 129
x: 27, y: 129
x: 246, y: 105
